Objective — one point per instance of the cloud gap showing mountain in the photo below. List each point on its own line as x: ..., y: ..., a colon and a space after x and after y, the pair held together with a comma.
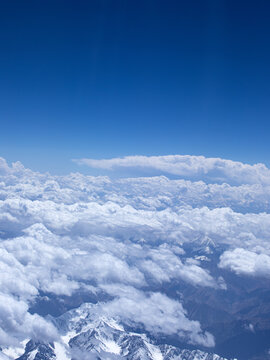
x: 180, y: 266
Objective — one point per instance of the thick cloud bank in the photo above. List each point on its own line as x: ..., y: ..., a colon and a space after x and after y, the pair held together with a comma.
x: 126, y: 240
x: 214, y: 169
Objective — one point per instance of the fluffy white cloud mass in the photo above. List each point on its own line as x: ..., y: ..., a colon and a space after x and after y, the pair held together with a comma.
x: 246, y: 262
x: 127, y: 240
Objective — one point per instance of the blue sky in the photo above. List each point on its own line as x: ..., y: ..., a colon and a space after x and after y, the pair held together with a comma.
x: 104, y: 79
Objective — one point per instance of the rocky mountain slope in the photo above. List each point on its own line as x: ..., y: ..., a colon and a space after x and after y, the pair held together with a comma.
x: 86, y: 335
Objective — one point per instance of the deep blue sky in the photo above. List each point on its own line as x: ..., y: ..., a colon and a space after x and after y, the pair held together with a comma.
x: 89, y: 78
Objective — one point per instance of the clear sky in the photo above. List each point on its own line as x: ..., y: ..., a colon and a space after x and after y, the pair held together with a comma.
x: 101, y: 79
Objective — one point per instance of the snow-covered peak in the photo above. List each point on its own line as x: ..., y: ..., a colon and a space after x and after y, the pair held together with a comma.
x: 87, y: 335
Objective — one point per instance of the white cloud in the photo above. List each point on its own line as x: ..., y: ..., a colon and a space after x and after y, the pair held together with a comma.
x: 63, y: 233
x: 17, y: 323
x: 158, y: 313
x: 246, y: 262
x: 164, y: 265
x: 188, y: 166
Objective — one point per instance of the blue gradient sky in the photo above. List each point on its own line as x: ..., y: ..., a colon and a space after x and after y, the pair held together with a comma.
x: 112, y: 78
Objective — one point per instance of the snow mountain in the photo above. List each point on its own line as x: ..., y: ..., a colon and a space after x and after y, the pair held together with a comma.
x: 87, y: 335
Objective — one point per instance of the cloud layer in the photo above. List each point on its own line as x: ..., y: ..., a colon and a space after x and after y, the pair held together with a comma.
x: 127, y: 239
x: 188, y: 166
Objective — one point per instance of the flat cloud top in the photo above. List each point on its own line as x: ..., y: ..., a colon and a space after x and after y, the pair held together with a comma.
x: 126, y: 238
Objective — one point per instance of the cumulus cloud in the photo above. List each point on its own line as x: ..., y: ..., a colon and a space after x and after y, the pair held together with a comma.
x: 188, y: 166
x: 17, y: 323
x: 246, y: 262
x: 164, y: 265
x: 158, y: 314
x: 128, y: 238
